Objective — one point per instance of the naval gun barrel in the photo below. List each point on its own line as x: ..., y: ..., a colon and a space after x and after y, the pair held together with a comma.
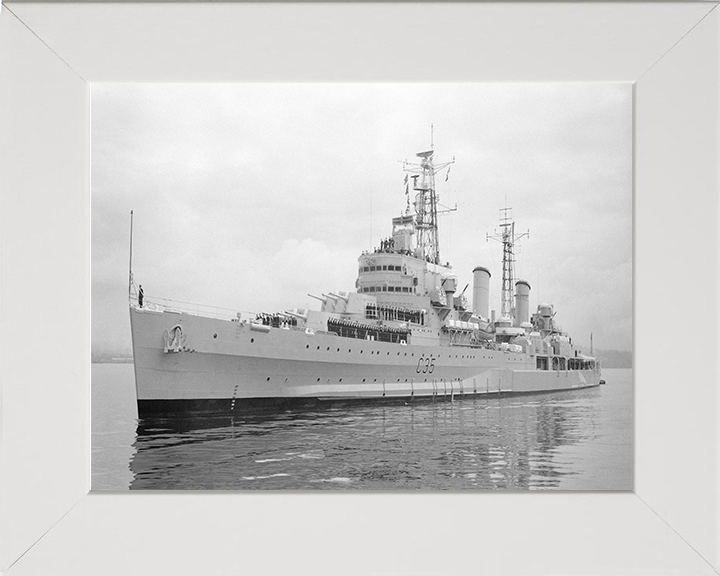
x: 340, y: 296
x: 296, y: 315
x: 322, y: 299
x: 331, y: 295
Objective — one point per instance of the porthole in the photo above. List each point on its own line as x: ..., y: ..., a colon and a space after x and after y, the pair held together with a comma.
x: 363, y: 379
x: 268, y: 378
x: 252, y: 340
x: 375, y: 380
x: 307, y: 345
x: 340, y: 380
x: 361, y: 351
x: 214, y: 335
x: 328, y: 348
x: 318, y: 347
x: 318, y: 379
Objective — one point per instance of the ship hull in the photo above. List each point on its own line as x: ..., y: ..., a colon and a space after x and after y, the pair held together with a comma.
x: 225, y: 366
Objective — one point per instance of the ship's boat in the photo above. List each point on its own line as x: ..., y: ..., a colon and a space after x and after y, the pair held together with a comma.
x: 405, y: 333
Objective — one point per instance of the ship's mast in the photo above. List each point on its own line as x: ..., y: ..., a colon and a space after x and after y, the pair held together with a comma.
x: 426, y: 202
x: 507, y: 237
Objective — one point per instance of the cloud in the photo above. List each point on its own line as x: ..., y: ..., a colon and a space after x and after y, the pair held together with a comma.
x: 250, y: 196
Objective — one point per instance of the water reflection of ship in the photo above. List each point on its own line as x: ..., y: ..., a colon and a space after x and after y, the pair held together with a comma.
x: 488, y: 443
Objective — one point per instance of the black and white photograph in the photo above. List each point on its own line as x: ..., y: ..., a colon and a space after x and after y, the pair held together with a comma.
x: 393, y: 287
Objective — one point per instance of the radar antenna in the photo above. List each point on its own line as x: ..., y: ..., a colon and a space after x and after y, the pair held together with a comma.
x: 507, y: 237
x: 426, y: 201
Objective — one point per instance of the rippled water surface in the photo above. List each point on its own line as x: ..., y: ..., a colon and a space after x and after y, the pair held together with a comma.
x: 576, y: 440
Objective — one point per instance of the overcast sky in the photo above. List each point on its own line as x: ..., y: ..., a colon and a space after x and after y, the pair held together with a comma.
x: 248, y: 196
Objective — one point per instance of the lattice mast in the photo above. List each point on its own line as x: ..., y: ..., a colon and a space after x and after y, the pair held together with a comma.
x: 426, y: 202
x: 508, y: 238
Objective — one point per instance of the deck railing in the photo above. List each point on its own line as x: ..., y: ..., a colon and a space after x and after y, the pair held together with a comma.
x: 167, y: 305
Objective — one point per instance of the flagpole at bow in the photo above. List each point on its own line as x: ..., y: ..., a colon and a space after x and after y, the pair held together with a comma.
x: 130, y: 274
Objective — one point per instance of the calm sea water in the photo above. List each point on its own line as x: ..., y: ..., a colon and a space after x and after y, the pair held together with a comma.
x: 576, y: 440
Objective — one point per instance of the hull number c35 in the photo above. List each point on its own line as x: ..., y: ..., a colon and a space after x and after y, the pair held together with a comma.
x: 425, y: 365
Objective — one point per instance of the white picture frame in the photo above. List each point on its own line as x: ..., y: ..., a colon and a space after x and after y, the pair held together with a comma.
x: 49, y: 523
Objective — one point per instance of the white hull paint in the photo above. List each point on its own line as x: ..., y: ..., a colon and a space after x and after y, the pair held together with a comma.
x: 234, y: 361
x: 406, y: 332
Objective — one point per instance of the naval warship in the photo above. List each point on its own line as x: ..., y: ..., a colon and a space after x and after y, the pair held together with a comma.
x: 405, y: 333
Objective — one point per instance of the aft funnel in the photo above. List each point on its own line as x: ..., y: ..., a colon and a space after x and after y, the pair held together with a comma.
x: 522, y: 302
